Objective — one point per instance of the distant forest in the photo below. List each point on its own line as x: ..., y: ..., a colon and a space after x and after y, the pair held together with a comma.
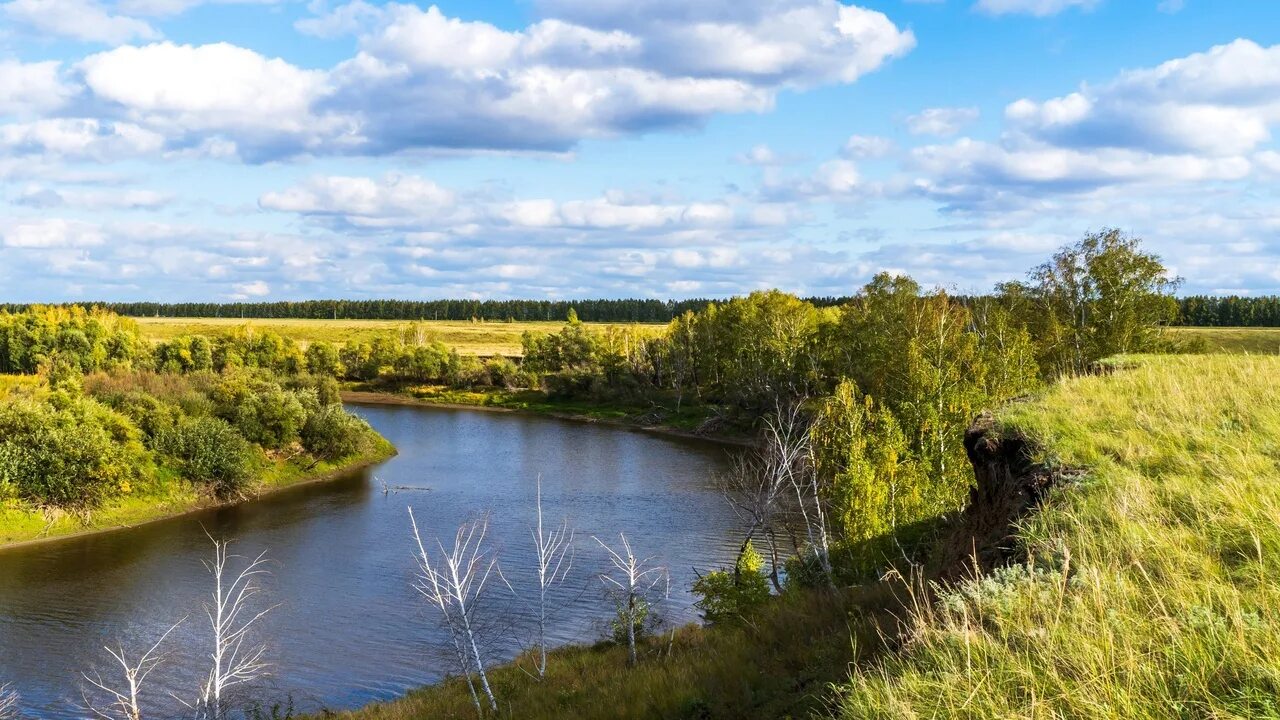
x: 1195, y: 310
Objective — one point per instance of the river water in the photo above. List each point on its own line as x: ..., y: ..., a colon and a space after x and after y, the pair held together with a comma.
x: 349, y: 629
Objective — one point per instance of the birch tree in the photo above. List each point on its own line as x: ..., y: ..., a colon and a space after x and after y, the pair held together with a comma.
x: 236, y: 659
x: 555, y: 560
x: 631, y: 582
x: 120, y: 702
x: 455, y: 583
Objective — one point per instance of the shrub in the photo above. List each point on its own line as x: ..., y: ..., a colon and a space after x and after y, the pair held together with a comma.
x: 72, y: 457
x: 502, y: 372
x: 322, y: 358
x: 210, y: 452
x: 332, y: 433
x: 728, y: 596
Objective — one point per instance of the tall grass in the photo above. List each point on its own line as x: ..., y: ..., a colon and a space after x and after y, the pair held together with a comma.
x: 1154, y: 585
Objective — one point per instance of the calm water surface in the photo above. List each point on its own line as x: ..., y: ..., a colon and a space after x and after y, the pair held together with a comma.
x: 349, y: 629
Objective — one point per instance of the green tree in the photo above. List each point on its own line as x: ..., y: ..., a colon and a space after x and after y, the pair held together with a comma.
x: 1100, y: 297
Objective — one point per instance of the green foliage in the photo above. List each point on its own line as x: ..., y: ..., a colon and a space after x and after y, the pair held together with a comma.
x: 212, y: 453
x: 322, y: 358
x: 331, y: 433
x: 732, y: 596
x: 66, y: 452
x: 91, y: 339
x: 872, y: 481
x: 185, y: 353
x: 1101, y: 297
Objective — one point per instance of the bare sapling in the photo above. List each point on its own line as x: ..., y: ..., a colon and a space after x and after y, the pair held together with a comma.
x: 236, y: 660
x: 555, y: 560
x: 786, y: 441
x: 9, y: 700
x: 758, y: 493
x: 631, y: 582
x: 120, y: 702
x: 455, y: 583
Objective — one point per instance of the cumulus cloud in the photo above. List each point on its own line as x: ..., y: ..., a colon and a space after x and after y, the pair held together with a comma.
x: 1199, y: 119
x: 1221, y: 102
x: 31, y: 88
x: 78, y: 138
x: 425, y: 80
x: 1038, y: 8
x: 84, y: 20
x: 197, y: 94
x: 941, y: 121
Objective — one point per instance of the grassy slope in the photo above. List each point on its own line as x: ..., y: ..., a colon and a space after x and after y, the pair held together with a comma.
x: 169, y: 496
x: 1257, y: 341
x: 478, y: 338
x: 1159, y: 589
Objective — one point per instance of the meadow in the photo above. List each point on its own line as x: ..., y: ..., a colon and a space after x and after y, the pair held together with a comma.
x: 479, y: 338
x: 1255, y: 340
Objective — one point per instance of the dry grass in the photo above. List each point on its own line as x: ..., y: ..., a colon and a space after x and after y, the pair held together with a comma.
x: 477, y: 338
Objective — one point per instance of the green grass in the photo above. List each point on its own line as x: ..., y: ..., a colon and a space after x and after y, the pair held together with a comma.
x: 1256, y: 341
x: 169, y: 495
x: 476, y: 338
x: 1155, y: 591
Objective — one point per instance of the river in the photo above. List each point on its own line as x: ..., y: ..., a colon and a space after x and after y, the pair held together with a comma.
x: 348, y: 628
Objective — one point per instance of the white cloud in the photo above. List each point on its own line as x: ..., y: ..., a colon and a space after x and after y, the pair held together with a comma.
x: 1038, y: 8
x: 39, y: 196
x: 31, y: 88
x: 78, y: 138
x: 83, y: 20
x: 941, y: 121
x: 1221, y: 102
x: 364, y: 200
x: 422, y: 80
x: 867, y: 147
x: 255, y: 289
x: 194, y: 94
x: 50, y: 233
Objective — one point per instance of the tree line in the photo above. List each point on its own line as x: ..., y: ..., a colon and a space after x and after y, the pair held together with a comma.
x: 590, y: 310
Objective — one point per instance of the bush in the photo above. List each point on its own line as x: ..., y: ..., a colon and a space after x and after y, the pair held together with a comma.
x: 71, y: 456
x: 728, y: 596
x: 332, y: 433
x: 322, y: 358
x: 502, y: 372
x: 210, y: 452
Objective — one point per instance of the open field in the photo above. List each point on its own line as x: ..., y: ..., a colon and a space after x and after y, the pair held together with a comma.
x: 1256, y: 340
x: 476, y: 338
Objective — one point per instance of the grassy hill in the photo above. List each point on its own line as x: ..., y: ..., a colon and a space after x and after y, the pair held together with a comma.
x: 1154, y: 584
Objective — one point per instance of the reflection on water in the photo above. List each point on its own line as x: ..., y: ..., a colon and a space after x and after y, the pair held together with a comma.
x: 349, y: 628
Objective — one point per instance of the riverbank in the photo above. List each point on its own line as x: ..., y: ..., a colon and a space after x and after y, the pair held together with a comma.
x: 174, y: 497
x: 529, y: 403
x: 1145, y: 581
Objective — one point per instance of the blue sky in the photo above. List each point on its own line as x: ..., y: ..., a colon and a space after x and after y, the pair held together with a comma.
x: 214, y: 149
